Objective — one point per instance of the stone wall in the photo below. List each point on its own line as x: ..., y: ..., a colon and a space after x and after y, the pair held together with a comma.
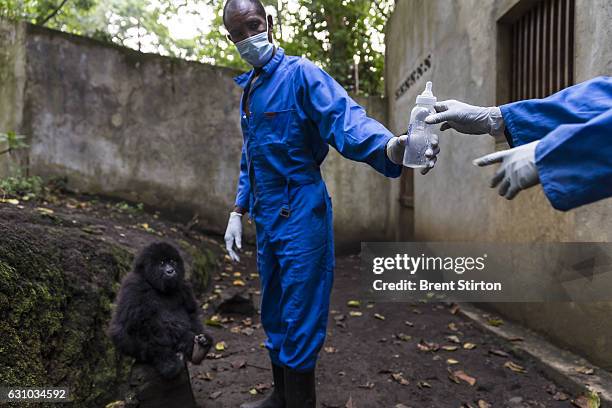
x: 145, y: 128
x: 454, y: 202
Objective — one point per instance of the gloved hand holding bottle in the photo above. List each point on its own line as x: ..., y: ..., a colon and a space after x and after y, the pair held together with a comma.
x: 518, y: 169
x: 419, y: 148
x: 464, y: 118
x: 396, y: 149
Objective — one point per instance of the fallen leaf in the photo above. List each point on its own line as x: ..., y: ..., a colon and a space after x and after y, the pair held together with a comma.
x: 247, y: 331
x: 9, y: 201
x: 399, y: 378
x: 469, y: 346
x: 355, y: 313
x: 427, y: 346
x: 215, y: 322
x: 460, y: 374
x: 451, y: 361
x: 450, y: 348
x: 409, y: 323
x: 585, y: 370
x: 241, y: 363
x: 403, y: 337
x: 44, y: 210
x: 452, y: 327
x: 517, y: 368
x: 238, y: 282
x: 339, y: 317
x: 453, y: 339
x: 205, y: 376
x: 221, y: 346
x: 423, y: 384
x: 353, y: 303
x: 483, y: 404
x: 379, y: 316
x: 236, y: 274
x: 368, y: 385
x: 330, y: 349
x: 589, y: 400
x: 499, y: 353
x: 253, y: 391
x: 495, y: 322
x: 516, y: 338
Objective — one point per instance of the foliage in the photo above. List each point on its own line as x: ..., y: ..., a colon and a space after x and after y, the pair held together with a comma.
x: 14, y: 141
x: 335, y: 34
x: 129, y: 209
x: 20, y: 186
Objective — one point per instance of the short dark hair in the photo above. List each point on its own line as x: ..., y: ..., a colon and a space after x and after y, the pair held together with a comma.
x: 261, y: 10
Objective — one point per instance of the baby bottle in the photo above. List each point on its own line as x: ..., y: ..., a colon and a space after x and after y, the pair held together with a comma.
x: 418, y: 131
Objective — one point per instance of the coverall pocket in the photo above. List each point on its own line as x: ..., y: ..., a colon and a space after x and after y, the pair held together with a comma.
x: 273, y: 126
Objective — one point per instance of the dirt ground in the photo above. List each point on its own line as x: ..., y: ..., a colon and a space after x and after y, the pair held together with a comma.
x: 376, y: 355
x: 374, y: 360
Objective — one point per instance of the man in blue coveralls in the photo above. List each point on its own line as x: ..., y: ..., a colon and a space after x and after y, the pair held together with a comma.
x: 564, y: 142
x: 291, y: 110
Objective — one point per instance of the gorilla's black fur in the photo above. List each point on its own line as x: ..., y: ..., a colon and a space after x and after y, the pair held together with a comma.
x: 156, y: 318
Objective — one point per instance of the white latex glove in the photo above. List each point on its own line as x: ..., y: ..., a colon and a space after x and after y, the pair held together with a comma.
x: 396, y: 147
x: 464, y: 118
x: 518, y: 169
x: 233, y: 233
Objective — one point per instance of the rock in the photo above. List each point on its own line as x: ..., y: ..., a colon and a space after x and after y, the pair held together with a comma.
x: 236, y: 302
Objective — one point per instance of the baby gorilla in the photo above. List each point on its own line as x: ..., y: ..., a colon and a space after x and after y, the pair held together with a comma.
x: 156, y: 319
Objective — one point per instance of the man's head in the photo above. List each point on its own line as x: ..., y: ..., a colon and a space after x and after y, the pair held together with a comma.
x: 246, y: 18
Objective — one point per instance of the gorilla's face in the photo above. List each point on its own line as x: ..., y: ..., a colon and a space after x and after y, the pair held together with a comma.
x: 162, y: 266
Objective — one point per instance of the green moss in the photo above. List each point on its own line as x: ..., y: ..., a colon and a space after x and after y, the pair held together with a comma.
x: 202, y: 265
x: 56, y: 294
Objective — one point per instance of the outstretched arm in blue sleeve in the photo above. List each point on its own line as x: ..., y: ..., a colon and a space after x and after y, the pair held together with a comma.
x: 575, y: 162
x: 341, y: 122
x: 529, y: 120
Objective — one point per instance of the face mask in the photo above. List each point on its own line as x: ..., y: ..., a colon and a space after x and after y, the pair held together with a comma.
x: 256, y: 50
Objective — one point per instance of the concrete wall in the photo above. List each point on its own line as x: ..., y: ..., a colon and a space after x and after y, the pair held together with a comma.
x: 150, y: 129
x: 454, y: 202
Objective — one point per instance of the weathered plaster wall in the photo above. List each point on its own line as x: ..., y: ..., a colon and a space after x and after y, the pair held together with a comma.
x: 454, y: 202
x: 150, y: 129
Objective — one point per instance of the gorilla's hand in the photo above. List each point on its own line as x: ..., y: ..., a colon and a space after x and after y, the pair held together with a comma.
x: 170, y: 367
x: 201, y: 345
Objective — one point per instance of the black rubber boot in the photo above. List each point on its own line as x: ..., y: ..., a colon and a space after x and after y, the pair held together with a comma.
x: 277, y: 398
x: 300, y: 389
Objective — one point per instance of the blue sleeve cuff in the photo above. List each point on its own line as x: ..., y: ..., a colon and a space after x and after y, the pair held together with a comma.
x: 512, y: 131
x: 391, y: 169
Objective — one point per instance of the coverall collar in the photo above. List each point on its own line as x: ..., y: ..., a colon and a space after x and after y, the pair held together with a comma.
x: 267, y: 70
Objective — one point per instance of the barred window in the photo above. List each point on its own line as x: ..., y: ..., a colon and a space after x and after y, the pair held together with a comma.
x: 541, y: 54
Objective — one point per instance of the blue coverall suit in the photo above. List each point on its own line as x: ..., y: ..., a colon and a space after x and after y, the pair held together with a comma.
x: 574, y: 126
x: 296, y: 111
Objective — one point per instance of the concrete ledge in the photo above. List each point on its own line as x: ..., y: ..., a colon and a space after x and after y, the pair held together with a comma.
x: 559, y: 365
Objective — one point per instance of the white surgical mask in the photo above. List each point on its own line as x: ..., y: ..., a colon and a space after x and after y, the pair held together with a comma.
x: 256, y: 50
